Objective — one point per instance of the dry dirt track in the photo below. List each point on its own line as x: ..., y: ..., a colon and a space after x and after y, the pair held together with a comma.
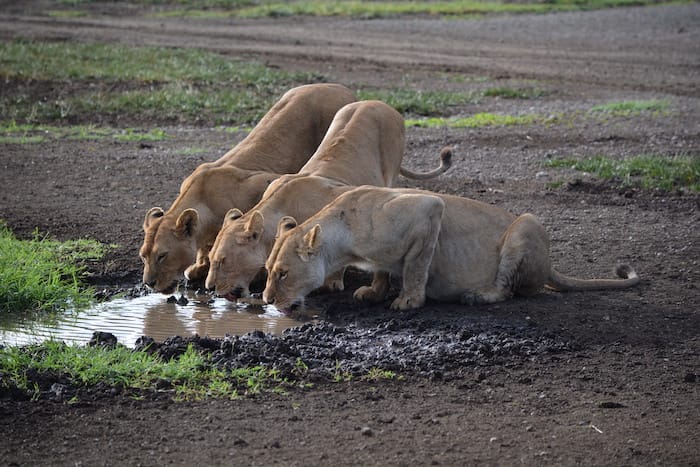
x: 619, y: 49
x: 623, y: 392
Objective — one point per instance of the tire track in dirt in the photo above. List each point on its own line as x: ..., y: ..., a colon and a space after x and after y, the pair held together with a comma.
x: 553, y: 47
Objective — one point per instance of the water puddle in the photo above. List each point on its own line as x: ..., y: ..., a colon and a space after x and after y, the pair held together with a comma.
x: 150, y: 315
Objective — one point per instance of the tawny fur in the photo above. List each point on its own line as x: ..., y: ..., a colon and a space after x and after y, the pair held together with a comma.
x: 364, y: 145
x: 281, y: 142
x: 443, y: 247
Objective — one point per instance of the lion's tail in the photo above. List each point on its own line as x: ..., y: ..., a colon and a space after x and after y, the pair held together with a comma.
x: 627, y: 278
x: 445, y: 163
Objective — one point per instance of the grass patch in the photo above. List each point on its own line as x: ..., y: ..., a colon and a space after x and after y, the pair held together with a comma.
x: 12, y: 132
x: 475, y: 121
x: 513, y: 93
x: 66, y: 13
x: 632, y: 108
x: 130, y: 134
x: 42, y: 274
x: 156, y: 82
x: 175, y: 102
x: 409, y: 101
x: 647, y: 171
x: 192, y: 151
x: 190, y: 376
x: 21, y: 59
x: 381, y: 9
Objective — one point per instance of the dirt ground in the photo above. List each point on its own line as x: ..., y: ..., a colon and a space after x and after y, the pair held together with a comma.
x: 620, y: 387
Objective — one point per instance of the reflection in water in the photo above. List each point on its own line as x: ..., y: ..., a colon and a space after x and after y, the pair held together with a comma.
x: 150, y: 315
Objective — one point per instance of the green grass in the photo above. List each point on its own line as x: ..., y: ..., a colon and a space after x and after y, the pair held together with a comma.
x: 513, y: 93
x: 66, y: 13
x: 189, y: 377
x: 12, y: 132
x: 22, y: 59
x: 632, y: 108
x: 417, y: 102
x: 409, y: 101
x: 174, y: 102
x: 475, y: 121
x: 155, y: 82
x: 647, y: 171
x: 42, y: 274
x: 380, y: 9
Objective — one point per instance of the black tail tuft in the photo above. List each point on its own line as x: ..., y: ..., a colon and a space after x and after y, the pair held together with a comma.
x: 446, y: 154
x: 625, y: 271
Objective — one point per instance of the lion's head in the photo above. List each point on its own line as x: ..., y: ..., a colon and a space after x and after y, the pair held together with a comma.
x: 169, y: 247
x: 294, y: 268
x: 238, y: 255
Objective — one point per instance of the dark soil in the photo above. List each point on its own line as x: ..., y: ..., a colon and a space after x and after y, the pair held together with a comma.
x: 579, y: 378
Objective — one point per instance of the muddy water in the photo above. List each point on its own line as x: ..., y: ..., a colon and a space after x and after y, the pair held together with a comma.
x: 150, y: 315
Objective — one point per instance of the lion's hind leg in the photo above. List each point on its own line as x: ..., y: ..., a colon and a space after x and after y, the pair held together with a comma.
x: 523, y: 264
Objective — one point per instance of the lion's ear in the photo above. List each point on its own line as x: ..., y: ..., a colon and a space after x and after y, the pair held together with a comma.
x: 312, y: 239
x: 187, y: 222
x: 254, y: 226
x: 285, y: 224
x: 232, y: 215
x: 151, y: 215
x: 310, y: 243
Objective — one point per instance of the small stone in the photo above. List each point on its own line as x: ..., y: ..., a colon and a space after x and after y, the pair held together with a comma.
x: 610, y: 405
x: 366, y: 431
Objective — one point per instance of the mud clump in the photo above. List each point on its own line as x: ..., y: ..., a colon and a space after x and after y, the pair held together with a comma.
x: 321, y: 351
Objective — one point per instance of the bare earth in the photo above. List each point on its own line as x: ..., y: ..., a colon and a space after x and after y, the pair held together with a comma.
x: 621, y: 389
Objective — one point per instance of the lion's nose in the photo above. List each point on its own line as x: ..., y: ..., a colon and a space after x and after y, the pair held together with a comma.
x: 268, y: 299
x: 150, y: 284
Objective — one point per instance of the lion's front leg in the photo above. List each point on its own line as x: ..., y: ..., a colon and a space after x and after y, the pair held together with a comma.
x: 425, y: 232
x: 377, y: 291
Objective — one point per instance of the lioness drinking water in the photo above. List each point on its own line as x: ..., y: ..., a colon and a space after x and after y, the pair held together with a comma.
x: 280, y: 143
x: 444, y: 247
x: 364, y: 145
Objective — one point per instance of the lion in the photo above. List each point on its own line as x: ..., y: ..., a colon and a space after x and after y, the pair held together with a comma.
x: 444, y: 247
x: 364, y: 145
x: 179, y: 240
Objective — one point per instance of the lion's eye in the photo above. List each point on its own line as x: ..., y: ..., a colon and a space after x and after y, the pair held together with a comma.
x: 282, y: 275
x: 143, y: 259
x: 161, y: 257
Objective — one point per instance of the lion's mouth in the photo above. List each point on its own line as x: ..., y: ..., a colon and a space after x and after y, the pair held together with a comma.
x: 234, y: 294
x: 291, y: 309
x: 169, y: 289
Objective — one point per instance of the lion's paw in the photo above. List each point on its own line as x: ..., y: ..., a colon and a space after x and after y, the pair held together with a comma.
x: 367, y: 294
x: 470, y: 298
x: 473, y: 297
x: 197, y: 272
x: 334, y: 285
x: 406, y: 303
